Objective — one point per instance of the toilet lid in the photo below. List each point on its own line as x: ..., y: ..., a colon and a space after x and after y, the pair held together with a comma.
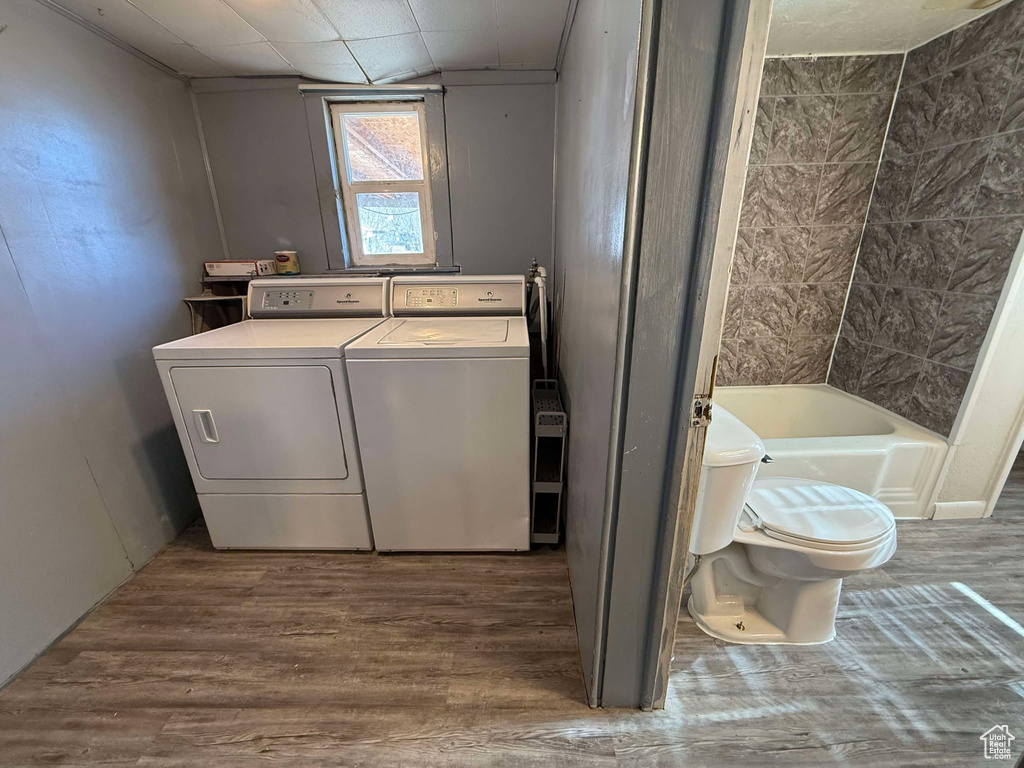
x: 813, y: 512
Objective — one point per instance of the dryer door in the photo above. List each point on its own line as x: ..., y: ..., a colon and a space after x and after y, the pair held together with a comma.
x: 262, y: 422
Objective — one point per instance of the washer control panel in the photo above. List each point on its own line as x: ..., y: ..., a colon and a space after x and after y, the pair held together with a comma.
x: 444, y: 298
x: 458, y: 295
x: 318, y: 297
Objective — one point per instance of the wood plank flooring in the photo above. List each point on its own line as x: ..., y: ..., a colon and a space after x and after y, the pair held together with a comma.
x: 212, y: 658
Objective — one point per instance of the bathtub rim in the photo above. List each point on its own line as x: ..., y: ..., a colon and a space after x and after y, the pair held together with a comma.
x: 903, y: 425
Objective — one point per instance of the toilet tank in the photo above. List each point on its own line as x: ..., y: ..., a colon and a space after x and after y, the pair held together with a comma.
x: 732, y: 453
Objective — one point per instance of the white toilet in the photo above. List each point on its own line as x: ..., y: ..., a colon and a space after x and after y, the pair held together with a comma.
x: 773, y: 552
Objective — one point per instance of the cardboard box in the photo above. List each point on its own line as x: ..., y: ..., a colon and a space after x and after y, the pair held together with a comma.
x: 240, y: 268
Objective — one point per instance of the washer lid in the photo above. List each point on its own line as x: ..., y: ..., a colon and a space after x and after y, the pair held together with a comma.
x: 443, y: 337
x: 472, y: 331
x: 817, y: 513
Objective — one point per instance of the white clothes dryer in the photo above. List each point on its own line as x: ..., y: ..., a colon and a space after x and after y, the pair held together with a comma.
x: 263, y: 412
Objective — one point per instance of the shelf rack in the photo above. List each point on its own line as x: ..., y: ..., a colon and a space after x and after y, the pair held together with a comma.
x: 550, y: 426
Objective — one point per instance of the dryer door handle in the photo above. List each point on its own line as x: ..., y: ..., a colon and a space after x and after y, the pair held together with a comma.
x: 206, y: 425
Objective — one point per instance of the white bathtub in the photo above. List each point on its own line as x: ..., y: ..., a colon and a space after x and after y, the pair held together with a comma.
x: 821, y: 433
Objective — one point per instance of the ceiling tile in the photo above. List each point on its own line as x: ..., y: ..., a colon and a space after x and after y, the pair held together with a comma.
x: 463, y: 50
x: 201, y: 22
x: 442, y: 15
x: 286, y: 21
x: 383, y: 57
x: 123, y: 20
x: 530, y: 31
x: 127, y: 23
x: 359, y: 19
x: 325, y: 61
x: 335, y: 74
x: 188, y: 61
x: 406, y: 77
x: 249, y: 59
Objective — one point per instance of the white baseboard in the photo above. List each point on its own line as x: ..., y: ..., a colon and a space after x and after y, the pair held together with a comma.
x: 958, y: 510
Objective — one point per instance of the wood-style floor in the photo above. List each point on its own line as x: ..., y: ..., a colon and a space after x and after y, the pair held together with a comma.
x: 212, y: 658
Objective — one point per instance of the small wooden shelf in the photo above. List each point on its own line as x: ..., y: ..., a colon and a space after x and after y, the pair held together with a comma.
x: 197, y: 305
x: 232, y: 278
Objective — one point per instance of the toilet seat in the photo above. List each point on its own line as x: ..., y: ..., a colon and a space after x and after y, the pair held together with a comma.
x: 816, y: 515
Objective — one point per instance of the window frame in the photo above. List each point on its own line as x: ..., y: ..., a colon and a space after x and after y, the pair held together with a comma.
x: 347, y: 190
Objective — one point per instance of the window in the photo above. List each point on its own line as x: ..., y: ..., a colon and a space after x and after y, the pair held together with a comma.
x: 384, y: 182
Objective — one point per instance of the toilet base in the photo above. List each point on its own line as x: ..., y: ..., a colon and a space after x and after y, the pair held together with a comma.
x: 733, y: 601
x: 756, y: 630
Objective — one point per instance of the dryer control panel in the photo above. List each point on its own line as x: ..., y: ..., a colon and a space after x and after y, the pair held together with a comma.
x: 459, y: 295
x: 318, y: 297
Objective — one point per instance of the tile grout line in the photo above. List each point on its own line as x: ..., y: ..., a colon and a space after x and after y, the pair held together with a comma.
x: 921, y: 152
x: 814, y: 211
x: 753, y: 243
x: 864, y: 223
x: 974, y: 202
x: 901, y: 222
x: 812, y: 226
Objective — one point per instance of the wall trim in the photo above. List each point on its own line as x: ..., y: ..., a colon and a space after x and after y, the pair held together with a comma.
x: 570, y: 17
x: 86, y: 24
x: 347, y: 91
x: 255, y: 83
x: 209, y: 173
x: 646, y: 65
x: 464, y: 77
x: 958, y: 510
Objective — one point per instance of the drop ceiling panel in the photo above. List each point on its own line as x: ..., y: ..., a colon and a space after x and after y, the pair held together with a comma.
x: 386, y: 40
x: 529, y: 32
x: 448, y: 15
x: 249, y: 59
x: 385, y: 57
x: 463, y: 50
x: 359, y: 19
x: 201, y: 22
x: 286, y: 21
x: 188, y: 61
x: 128, y: 24
x: 325, y: 61
x: 124, y: 21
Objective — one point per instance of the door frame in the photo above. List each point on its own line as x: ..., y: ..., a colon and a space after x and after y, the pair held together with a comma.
x: 695, y: 119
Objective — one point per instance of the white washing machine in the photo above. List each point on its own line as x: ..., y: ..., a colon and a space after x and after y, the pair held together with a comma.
x: 441, y: 397
x: 263, y: 412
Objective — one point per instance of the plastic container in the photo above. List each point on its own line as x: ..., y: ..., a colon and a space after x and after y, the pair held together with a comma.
x: 287, y: 262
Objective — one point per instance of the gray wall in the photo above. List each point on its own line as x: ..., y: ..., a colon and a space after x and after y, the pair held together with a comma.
x: 817, y: 143
x: 500, y: 148
x: 946, y: 217
x: 596, y: 96
x: 259, y: 152
x: 105, y: 219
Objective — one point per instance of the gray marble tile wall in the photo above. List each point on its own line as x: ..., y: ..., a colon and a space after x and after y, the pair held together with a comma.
x: 817, y: 141
x: 944, y: 222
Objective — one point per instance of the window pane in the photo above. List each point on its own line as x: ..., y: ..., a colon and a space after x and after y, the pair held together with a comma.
x: 383, y: 147
x: 390, y: 222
